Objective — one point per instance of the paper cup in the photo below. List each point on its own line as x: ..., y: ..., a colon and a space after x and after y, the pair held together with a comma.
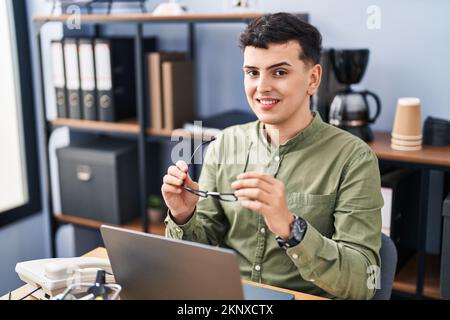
x: 410, y: 138
x: 408, y: 119
x: 406, y: 143
x: 404, y: 148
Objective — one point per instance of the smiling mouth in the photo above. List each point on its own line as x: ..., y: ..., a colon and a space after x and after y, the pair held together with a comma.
x: 267, y: 103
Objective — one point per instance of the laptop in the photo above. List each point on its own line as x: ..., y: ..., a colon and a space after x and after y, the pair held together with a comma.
x: 149, y: 267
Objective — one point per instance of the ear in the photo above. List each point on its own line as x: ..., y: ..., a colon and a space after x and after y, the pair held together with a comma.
x: 315, y: 75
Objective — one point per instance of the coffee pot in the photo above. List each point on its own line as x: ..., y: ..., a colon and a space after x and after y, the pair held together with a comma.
x: 349, y: 109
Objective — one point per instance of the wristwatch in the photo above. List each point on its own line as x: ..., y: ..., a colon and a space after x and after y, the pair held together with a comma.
x: 298, y: 230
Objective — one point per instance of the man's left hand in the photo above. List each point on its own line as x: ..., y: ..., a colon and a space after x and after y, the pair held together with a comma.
x: 266, y: 195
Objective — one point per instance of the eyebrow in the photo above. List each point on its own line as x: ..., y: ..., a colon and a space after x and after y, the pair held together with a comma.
x: 284, y: 63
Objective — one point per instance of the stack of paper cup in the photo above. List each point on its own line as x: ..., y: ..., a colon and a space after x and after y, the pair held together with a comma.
x: 407, y: 130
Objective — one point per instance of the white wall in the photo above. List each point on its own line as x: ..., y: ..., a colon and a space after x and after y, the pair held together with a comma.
x: 13, y: 188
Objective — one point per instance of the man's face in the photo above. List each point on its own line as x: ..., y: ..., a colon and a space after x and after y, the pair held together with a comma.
x: 277, y: 82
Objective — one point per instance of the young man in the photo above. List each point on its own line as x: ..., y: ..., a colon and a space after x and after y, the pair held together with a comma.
x: 308, y: 216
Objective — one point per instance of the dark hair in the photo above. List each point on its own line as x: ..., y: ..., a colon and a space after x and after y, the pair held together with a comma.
x: 280, y: 28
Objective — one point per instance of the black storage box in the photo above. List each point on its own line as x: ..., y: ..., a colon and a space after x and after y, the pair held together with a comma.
x: 445, y: 253
x: 404, y: 186
x: 99, y: 180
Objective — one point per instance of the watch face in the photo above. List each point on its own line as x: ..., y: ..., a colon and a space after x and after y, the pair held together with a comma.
x: 299, y: 229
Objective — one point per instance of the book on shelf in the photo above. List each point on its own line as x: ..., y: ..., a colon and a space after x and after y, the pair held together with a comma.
x: 178, y: 93
x: 154, y: 64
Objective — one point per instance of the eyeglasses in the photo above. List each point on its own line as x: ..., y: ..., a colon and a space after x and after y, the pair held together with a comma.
x: 222, y: 196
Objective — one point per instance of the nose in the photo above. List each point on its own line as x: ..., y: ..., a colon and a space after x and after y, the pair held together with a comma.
x: 264, y: 84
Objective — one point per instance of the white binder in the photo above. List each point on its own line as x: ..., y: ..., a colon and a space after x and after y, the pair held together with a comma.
x: 87, y: 73
x: 104, y: 79
x: 59, y: 78
x: 73, y: 77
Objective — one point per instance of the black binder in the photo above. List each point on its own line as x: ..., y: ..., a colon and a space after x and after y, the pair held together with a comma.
x: 59, y: 78
x: 115, y: 73
x: 72, y: 68
x: 87, y: 74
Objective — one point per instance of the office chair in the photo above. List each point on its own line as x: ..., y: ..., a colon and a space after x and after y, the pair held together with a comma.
x: 388, y: 253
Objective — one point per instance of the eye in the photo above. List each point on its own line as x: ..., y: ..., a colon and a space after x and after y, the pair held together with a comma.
x: 280, y: 72
x: 252, y: 73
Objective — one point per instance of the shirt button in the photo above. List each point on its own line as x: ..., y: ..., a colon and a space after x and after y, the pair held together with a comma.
x: 312, y: 280
x: 257, y: 267
x: 277, y: 158
x: 263, y: 230
x: 295, y: 256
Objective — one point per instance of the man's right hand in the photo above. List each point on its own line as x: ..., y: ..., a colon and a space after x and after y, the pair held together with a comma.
x: 180, y: 202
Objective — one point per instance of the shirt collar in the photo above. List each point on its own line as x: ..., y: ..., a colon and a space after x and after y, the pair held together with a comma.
x: 300, y: 139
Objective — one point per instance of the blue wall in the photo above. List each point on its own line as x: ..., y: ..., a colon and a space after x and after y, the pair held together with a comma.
x: 20, y: 241
x: 409, y: 53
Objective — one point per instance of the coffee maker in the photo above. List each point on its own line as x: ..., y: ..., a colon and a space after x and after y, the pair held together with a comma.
x: 329, y: 87
x: 349, y: 109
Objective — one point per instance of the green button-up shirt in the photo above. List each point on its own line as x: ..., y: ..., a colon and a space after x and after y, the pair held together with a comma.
x: 332, y: 181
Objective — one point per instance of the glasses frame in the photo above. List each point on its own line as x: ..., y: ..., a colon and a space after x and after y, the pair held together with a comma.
x: 222, y: 196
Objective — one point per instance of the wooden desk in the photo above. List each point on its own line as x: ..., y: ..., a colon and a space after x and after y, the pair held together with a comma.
x: 429, y: 158
x: 101, y: 253
x: 432, y: 157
